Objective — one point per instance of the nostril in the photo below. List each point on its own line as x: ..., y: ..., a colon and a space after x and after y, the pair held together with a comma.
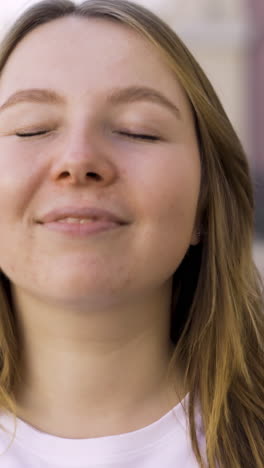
x: 65, y: 174
x: 93, y: 175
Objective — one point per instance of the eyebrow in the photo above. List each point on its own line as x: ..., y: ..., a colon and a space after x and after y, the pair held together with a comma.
x: 142, y: 93
x: 45, y: 96
x: 115, y: 97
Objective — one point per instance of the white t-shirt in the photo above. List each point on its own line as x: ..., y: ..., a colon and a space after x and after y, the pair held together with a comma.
x: 162, y: 444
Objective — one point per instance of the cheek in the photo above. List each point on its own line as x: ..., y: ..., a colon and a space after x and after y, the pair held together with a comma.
x: 19, y: 176
x: 18, y: 181
x: 175, y: 191
x: 170, y: 205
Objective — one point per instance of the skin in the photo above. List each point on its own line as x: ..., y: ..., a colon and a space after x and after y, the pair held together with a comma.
x: 93, y: 313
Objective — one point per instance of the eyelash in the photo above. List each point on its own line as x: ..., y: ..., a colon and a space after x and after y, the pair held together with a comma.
x: 140, y: 136
x: 129, y: 135
x: 28, y: 135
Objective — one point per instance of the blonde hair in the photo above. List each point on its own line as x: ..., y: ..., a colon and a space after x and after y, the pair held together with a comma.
x: 217, y: 320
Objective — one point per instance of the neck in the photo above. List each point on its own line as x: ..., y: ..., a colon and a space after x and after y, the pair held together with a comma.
x: 90, y: 375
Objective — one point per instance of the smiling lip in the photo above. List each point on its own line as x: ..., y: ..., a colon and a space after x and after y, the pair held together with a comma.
x: 101, y: 220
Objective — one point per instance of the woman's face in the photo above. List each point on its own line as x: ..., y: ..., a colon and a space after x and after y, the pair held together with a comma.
x: 72, y: 102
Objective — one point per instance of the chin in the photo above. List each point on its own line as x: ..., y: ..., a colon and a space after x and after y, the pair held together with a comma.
x: 72, y: 292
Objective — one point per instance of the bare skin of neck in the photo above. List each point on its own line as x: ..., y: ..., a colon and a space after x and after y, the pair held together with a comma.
x: 80, y: 386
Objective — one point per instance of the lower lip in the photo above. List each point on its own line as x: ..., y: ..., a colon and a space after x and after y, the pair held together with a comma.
x: 82, y: 230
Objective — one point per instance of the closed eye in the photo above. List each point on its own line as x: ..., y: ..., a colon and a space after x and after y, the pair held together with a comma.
x: 31, y: 134
x: 140, y: 136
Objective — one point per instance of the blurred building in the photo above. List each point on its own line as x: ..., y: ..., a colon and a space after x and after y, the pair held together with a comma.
x: 256, y: 62
x: 256, y: 67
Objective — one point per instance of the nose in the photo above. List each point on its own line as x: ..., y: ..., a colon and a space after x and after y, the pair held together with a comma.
x: 82, y: 160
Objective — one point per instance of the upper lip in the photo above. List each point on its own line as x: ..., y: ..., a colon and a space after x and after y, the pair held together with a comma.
x: 80, y: 213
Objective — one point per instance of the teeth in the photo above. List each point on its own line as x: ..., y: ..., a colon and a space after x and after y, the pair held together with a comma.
x: 76, y: 220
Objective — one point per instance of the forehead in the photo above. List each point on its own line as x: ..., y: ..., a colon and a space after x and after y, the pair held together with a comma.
x: 80, y: 54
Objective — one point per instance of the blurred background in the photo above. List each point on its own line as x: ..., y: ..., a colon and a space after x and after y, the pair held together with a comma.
x: 227, y: 39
